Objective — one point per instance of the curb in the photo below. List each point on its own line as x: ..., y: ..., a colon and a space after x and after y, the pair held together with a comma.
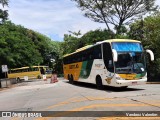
x: 153, y: 82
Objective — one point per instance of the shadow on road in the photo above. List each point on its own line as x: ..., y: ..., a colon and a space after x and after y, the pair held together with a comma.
x: 106, y: 88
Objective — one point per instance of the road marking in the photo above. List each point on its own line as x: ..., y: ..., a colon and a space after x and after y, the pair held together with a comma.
x: 15, y: 118
x: 87, y: 98
x: 74, y: 100
x: 65, y: 103
x: 62, y: 114
x: 109, y: 105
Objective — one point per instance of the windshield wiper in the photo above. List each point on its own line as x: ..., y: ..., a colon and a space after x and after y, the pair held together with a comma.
x: 139, y: 67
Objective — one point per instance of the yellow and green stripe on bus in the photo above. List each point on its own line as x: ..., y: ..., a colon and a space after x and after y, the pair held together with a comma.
x: 83, y: 70
x: 78, y: 70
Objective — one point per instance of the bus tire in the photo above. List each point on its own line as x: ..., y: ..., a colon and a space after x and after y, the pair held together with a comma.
x: 39, y: 77
x: 124, y: 87
x: 121, y: 88
x: 18, y: 80
x: 71, y: 80
x: 99, y: 83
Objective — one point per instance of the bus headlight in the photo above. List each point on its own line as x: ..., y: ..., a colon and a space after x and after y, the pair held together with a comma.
x: 119, y: 78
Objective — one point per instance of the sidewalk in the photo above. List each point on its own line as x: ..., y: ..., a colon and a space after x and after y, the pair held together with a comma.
x: 153, y: 82
x: 29, y: 83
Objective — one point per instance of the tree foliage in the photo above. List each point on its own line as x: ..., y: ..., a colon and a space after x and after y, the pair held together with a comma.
x: 23, y: 47
x: 74, y: 41
x: 115, y: 12
x: 4, y: 2
x: 3, y: 13
x: 149, y: 33
x: 97, y: 35
x: 70, y: 44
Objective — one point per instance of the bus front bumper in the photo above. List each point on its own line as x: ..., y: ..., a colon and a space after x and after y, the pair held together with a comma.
x: 121, y: 83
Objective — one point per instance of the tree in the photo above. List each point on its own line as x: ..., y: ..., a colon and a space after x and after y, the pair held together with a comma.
x: 56, y: 54
x: 4, y: 2
x: 115, y: 12
x: 23, y: 47
x: 4, y: 13
x: 150, y: 40
x: 97, y: 35
x: 16, y: 48
x: 71, y: 42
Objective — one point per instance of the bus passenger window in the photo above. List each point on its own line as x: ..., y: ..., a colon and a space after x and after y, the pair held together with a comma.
x: 42, y: 71
x: 97, y: 52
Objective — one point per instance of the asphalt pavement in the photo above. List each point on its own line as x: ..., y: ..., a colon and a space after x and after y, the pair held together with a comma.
x: 64, y: 101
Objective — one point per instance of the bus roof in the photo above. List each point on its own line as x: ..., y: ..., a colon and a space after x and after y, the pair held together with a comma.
x: 78, y: 50
x: 120, y: 40
x: 107, y: 41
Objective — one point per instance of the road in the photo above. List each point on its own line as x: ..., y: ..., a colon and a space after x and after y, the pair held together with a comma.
x: 66, y: 98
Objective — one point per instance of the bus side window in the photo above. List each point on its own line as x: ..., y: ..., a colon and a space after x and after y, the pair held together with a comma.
x: 42, y: 71
x: 107, y: 56
x: 97, y: 52
x: 69, y: 59
x: 90, y: 54
x: 84, y: 56
x: 79, y: 57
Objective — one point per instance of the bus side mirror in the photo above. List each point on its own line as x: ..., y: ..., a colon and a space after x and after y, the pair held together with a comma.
x: 151, y: 54
x: 115, y: 55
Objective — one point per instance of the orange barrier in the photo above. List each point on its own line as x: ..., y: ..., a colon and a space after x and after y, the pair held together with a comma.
x: 54, y: 78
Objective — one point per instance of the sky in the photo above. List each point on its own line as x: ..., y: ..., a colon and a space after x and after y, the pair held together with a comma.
x: 53, y: 18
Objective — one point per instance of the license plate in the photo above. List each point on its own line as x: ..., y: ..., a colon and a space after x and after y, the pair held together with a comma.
x: 134, y: 83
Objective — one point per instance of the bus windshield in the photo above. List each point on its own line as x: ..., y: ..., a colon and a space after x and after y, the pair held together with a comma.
x: 127, y: 46
x: 131, y: 58
x: 131, y: 62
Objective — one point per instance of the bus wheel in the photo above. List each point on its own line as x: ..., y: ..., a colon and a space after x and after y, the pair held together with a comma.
x: 71, y: 79
x: 124, y: 87
x: 39, y: 77
x: 99, y: 83
x: 18, y: 80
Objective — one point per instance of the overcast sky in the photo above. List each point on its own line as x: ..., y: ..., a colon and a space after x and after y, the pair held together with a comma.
x: 53, y: 18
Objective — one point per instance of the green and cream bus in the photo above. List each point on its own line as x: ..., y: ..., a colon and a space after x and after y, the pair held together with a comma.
x: 115, y: 62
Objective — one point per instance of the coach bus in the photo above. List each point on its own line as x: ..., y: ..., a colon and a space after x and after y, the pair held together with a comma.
x: 114, y: 62
x: 31, y: 72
